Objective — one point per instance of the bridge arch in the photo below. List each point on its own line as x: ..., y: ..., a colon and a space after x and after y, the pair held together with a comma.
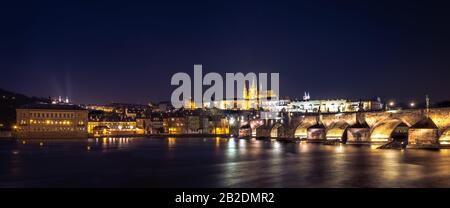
x: 337, y: 131
x: 444, y: 139
x: 387, y: 130
x: 274, y: 130
x: 301, y: 131
x: 254, y: 124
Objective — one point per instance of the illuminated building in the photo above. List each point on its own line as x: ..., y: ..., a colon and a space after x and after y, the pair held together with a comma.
x: 334, y: 106
x: 155, y: 125
x: 130, y: 111
x: 175, y: 125
x: 195, y: 122
x: 275, y: 105
x: 218, y: 125
x: 60, y: 100
x: 251, y: 99
x: 104, y: 108
x: 51, y: 121
x: 113, y: 128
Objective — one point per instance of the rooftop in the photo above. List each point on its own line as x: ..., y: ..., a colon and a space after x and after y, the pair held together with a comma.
x: 51, y: 106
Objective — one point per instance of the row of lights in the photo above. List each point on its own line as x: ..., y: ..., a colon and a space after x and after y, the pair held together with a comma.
x: 51, y: 122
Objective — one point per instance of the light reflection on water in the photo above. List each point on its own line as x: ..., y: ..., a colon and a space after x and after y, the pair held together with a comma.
x: 214, y: 162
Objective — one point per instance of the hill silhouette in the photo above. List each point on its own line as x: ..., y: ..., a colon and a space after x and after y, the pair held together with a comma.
x: 9, y: 101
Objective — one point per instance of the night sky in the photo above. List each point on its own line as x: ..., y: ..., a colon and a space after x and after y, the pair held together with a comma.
x: 101, y: 52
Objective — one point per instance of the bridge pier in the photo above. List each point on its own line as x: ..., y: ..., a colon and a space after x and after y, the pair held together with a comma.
x: 356, y: 135
x: 423, y: 134
x: 316, y: 133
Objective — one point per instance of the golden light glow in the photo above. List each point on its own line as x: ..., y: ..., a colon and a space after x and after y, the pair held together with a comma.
x: 445, y: 137
x: 383, y: 131
x: 335, y: 133
x: 302, y: 130
x: 217, y: 141
x: 221, y: 130
x: 172, y: 130
x: 378, y: 140
x: 171, y: 141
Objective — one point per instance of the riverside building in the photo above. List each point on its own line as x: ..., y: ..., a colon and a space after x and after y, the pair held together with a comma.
x: 51, y: 121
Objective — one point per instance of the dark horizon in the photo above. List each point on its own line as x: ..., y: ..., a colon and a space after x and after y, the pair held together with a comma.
x: 102, y: 52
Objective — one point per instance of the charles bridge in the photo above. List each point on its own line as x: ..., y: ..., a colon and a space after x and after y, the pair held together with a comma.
x: 419, y: 127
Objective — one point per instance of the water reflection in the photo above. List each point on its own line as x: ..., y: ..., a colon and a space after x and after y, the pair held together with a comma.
x: 171, y: 141
x: 217, y: 142
x: 107, y: 143
x: 215, y: 162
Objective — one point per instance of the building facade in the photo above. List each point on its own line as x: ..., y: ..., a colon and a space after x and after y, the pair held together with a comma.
x: 51, y: 121
x: 175, y: 125
x: 114, y: 128
x: 334, y: 106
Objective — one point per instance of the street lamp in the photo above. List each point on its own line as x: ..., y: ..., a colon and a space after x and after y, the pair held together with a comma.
x: 412, y: 104
x: 392, y: 103
x: 231, y: 121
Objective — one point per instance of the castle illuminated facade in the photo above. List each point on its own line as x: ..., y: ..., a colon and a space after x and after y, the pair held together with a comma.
x: 251, y: 99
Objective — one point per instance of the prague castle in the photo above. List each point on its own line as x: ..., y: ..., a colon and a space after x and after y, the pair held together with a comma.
x: 251, y: 99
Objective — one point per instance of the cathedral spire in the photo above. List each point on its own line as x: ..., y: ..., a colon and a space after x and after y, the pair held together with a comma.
x: 306, y: 96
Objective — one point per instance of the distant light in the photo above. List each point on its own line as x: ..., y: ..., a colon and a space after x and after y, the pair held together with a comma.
x: 412, y: 104
x: 391, y: 103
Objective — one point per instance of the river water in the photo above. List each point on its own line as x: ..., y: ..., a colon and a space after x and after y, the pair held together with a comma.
x: 214, y: 162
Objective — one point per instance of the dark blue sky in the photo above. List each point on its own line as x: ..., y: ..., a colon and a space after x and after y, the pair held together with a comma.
x: 103, y: 51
